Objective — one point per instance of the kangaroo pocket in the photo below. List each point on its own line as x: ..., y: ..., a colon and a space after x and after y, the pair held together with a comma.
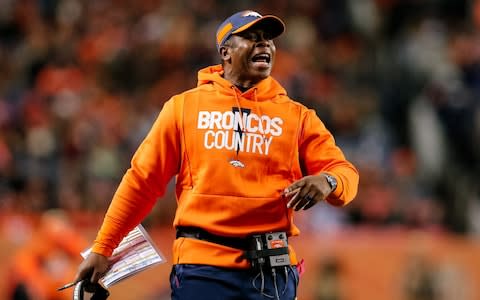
x: 222, y: 176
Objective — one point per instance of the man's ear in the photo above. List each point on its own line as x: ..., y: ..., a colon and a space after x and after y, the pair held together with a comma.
x: 225, y: 53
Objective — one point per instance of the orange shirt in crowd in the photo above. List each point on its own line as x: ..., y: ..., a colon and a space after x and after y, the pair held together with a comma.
x: 47, y: 261
x: 234, y: 154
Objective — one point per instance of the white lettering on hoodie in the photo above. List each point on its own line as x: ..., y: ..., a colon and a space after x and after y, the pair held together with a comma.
x: 226, y: 131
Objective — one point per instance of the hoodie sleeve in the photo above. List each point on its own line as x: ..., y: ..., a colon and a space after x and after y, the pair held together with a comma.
x: 154, y: 163
x: 318, y: 153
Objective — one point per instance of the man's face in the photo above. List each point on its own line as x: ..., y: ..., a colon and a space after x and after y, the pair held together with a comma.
x: 252, y: 54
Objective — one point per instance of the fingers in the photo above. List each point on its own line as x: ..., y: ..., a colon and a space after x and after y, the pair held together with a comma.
x: 293, y: 195
x: 79, y: 274
x: 305, y: 202
x: 77, y: 278
x: 82, y: 274
x: 307, y: 191
x: 294, y: 188
x: 95, y: 276
x: 304, y: 193
x: 301, y: 199
x: 92, y: 268
x: 297, y: 198
x: 91, y: 274
x: 309, y: 204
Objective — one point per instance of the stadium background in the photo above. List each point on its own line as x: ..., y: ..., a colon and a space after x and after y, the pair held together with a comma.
x: 396, y: 81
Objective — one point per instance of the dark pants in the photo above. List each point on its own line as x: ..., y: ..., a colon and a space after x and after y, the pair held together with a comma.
x: 201, y: 282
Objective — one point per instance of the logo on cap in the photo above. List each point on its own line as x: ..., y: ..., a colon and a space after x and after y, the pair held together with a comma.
x: 250, y: 13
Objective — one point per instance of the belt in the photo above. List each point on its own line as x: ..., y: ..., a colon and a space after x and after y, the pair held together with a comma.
x: 200, y: 234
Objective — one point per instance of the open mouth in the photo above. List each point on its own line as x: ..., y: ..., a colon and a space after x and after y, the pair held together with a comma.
x: 262, y: 58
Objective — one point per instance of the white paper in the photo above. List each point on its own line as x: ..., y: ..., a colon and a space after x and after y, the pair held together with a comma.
x: 135, y: 253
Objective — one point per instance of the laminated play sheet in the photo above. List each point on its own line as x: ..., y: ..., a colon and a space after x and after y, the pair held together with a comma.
x: 135, y: 253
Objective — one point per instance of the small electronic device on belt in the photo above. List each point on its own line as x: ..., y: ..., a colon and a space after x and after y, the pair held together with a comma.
x: 268, y: 249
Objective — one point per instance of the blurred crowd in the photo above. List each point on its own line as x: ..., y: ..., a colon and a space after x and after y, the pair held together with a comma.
x: 396, y: 81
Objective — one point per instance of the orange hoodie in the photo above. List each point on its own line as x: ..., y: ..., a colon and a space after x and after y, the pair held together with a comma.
x: 233, y: 154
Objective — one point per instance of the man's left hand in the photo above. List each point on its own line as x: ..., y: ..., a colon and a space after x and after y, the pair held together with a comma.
x: 306, y: 192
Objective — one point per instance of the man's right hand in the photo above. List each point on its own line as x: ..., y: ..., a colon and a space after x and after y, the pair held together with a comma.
x: 93, y: 267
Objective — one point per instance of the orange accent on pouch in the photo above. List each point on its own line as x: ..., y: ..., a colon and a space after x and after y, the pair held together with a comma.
x: 277, y: 244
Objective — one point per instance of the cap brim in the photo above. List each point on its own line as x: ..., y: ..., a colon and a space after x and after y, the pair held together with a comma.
x: 269, y: 23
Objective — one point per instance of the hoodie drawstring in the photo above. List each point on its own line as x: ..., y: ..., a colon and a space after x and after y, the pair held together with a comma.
x: 243, y: 122
x: 242, y: 126
x: 235, y: 161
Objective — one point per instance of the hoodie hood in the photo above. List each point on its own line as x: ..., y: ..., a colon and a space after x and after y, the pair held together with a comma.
x: 267, y: 89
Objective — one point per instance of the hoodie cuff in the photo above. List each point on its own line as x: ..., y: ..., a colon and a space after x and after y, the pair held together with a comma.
x: 102, y: 249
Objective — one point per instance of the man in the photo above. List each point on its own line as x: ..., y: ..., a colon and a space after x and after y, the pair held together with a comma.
x: 246, y: 157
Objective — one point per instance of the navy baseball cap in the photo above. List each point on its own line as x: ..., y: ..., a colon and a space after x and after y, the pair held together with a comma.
x: 243, y: 20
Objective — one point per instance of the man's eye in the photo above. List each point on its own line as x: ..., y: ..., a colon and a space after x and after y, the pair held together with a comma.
x: 248, y: 35
x: 251, y: 36
x: 267, y: 36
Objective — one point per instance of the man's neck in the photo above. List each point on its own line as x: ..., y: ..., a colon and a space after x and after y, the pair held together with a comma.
x: 242, y: 89
x: 242, y: 84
